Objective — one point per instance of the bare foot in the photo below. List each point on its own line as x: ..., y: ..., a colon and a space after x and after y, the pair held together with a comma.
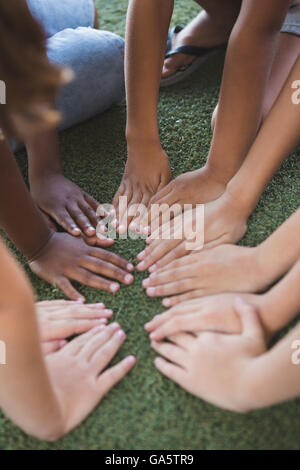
x: 203, y: 31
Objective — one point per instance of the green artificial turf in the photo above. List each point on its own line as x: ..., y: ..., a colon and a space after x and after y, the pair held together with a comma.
x: 147, y: 411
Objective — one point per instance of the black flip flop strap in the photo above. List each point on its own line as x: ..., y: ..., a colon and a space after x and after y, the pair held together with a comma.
x: 189, y: 50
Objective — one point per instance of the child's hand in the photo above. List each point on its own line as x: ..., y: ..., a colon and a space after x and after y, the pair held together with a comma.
x: 225, y: 268
x: 223, y: 223
x: 79, y: 373
x: 61, y: 319
x: 66, y: 258
x: 147, y: 171
x: 216, y: 367
x: 213, y: 313
x: 71, y: 207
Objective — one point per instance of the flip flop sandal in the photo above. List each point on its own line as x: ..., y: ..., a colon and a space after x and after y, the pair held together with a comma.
x: 201, y: 54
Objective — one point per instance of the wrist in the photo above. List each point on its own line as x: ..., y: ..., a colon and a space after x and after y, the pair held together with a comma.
x: 241, y: 198
x: 36, y: 253
x: 249, y: 385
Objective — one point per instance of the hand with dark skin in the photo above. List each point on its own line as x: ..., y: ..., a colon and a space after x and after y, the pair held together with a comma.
x: 56, y: 257
x: 61, y: 199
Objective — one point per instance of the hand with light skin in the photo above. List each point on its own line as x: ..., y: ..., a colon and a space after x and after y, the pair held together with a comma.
x: 65, y: 258
x: 68, y: 205
x: 276, y: 308
x: 223, y: 223
x: 234, y: 372
x: 215, y: 366
x: 228, y: 268
x: 37, y: 391
x: 58, y: 320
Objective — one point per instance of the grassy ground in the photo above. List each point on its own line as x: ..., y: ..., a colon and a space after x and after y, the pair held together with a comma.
x: 146, y: 411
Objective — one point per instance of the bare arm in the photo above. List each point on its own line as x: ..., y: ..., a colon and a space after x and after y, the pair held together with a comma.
x: 247, y: 68
x: 146, y: 37
x: 19, y: 217
x: 26, y: 395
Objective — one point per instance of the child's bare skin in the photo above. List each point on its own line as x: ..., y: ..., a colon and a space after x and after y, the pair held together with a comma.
x: 56, y: 257
x: 228, y: 268
x: 38, y: 393
x: 254, y: 37
x: 235, y: 372
x: 61, y: 199
x: 226, y: 218
x: 276, y: 308
x: 61, y: 319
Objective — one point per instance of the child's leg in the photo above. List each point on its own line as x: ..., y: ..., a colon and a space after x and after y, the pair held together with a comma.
x: 56, y: 15
x: 97, y: 59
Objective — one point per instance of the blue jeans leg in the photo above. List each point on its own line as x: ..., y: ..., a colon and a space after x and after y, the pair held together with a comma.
x: 97, y: 59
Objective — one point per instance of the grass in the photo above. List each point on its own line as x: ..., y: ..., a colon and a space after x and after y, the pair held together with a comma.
x: 147, y: 411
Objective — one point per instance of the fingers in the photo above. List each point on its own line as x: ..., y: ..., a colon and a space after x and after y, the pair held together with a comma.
x: 182, y: 339
x: 169, y: 351
x: 81, y: 220
x: 99, y: 266
x: 153, y: 253
x: 140, y: 223
x: 162, y: 193
x: 173, y: 326
x: 102, y: 336
x: 92, y: 280
x: 65, y: 285
x: 177, y: 299
x: 75, y: 346
x: 177, y: 252
x: 102, y: 356
x: 171, y: 288
x: 64, y: 219
x: 50, y: 347
x: 112, y: 258
x: 252, y: 327
x: 172, y: 371
x: 112, y: 376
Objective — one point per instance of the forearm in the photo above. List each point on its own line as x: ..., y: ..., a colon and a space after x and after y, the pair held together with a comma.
x: 277, y: 138
x: 247, y: 69
x: 146, y: 36
x: 26, y: 395
x: 43, y: 154
x: 273, y: 377
x: 19, y: 217
x: 282, y: 303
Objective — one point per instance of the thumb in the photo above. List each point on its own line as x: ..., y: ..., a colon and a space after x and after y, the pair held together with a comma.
x: 248, y: 314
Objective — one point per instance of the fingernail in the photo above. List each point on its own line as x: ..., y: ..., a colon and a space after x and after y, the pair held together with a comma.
x: 114, y: 287
x: 152, y: 268
x: 100, y: 328
x: 100, y: 305
x: 128, y: 279
x: 166, y: 302
x: 102, y: 320
x: 76, y: 230
x: 146, y: 230
x: 141, y: 255
x: 152, y: 343
x: 141, y: 266
x: 152, y: 275
x: 150, y: 291
x: 108, y: 311
x: 132, y: 226
x: 130, y: 267
x: 147, y: 326
x: 146, y: 282
x: 90, y: 230
x: 81, y: 300
x: 121, y: 334
x: 62, y: 343
x: 130, y: 360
